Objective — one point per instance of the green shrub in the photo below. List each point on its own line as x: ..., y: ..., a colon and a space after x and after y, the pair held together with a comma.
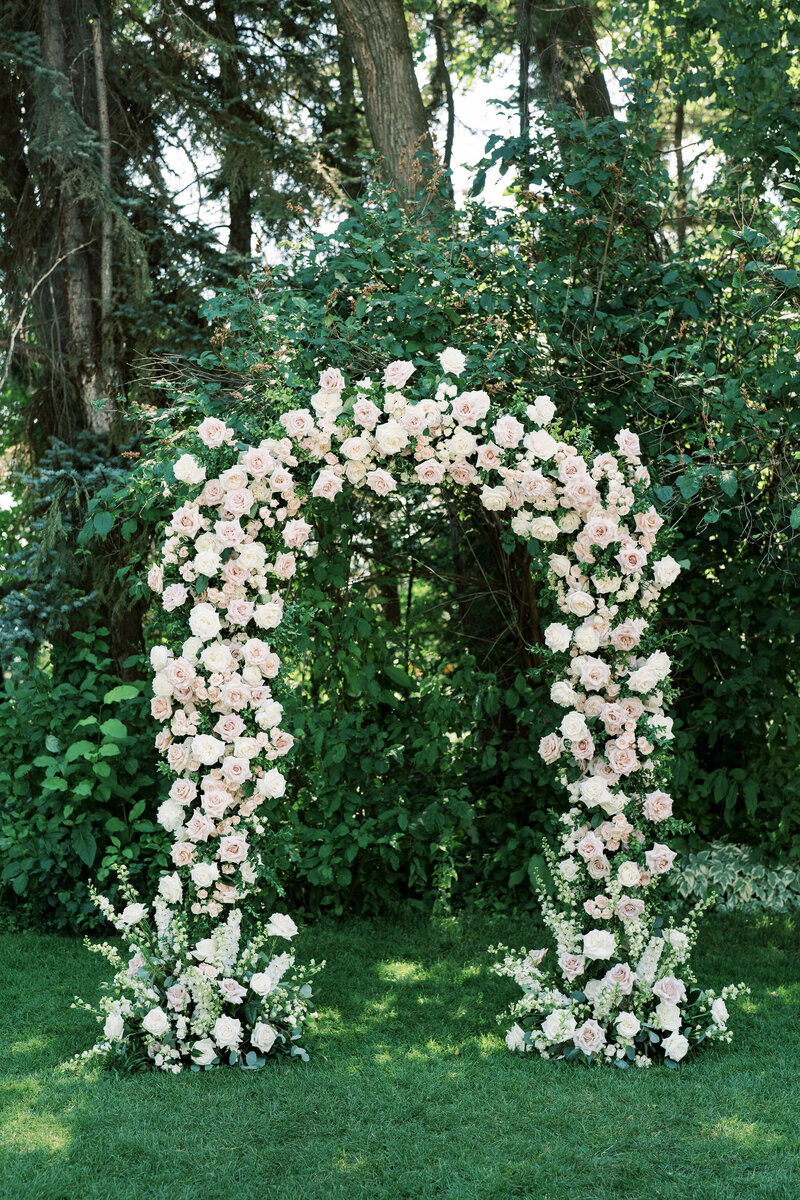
x: 78, y: 782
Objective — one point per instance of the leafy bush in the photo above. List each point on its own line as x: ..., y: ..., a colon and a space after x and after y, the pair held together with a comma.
x: 78, y: 782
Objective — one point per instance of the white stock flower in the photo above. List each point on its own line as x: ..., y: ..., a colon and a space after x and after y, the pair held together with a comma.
x: 515, y: 1038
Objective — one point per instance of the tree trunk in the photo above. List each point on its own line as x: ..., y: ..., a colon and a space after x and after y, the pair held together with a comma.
x: 83, y: 337
x: 560, y: 31
x: 240, y: 215
x: 377, y: 37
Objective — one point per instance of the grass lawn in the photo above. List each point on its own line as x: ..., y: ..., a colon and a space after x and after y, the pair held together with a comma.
x: 410, y: 1091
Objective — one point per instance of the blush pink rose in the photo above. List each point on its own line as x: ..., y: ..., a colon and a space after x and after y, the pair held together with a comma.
x: 589, y: 1037
x: 298, y: 423
x: 214, y: 433
x: 670, y: 989
x: 380, y: 482
x: 462, y: 472
x: 430, y: 472
x: 285, y: 566
x: 182, y: 853
x: 327, y: 485
x: 471, y: 407
x: 174, y: 596
x: 397, y: 374
x: 233, y: 848
x: 296, y: 533
x: 657, y: 806
x: 239, y: 612
x: 622, y: 977
x: 331, y: 380
x: 659, y: 859
x: 551, y: 747
x: 572, y: 965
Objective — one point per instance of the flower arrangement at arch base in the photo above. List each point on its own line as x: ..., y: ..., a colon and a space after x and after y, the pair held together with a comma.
x: 221, y: 1002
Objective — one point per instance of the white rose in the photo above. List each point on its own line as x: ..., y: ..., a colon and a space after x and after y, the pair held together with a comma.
x: 587, y: 639
x: 667, y: 1016
x: 675, y: 1047
x: 573, y: 726
x: 114, y: 1027
x: 719, y: 1013
x: 159, y: 657
x: 191, y: 648
x: 628, y: 1025
x: 156, y: 1022
x: 269, y: 714
x: 281, y: 926
x: 542, y: 410
x: 563, y: 693
x: 246, y: 747
x: 132, y: 913
x: 207, y: 749
x: 452, y: 361
x: 599, y: 944
x: 227, y: 1032
x: 261, y: 983
x: 188, y: 469
x: 557, y: 636
x: 666, y: 571
x: 676, y: 939
x: 579, y: 603
x: 204, y: 622
x: 272, y: 784
x: 540, y: 443
x: 216, y: 657
x: 569, y: 522
x: 462, y: 443
x: 544, y: 529
x: 558, y: 1025
x: 629, y: 874
x: 204, y: 874
x: 569, y: 869
x: 269, y: 615
x: 161, y: 685
x: 391, y: 437
x: 207, y: 562
x: 203, y: 1052
x: 171, y: 888
x: 263, y: 1037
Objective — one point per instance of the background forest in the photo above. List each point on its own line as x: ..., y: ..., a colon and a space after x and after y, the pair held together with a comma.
x: 204, y: 202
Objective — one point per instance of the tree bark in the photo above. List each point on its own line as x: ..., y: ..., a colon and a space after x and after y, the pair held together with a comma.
x: 560, y: 32
x: 377, y: 37
x: 74, y: 238
x: 240, y: 207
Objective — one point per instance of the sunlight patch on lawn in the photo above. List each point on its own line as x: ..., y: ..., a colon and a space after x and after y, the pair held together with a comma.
x: 401, y: 972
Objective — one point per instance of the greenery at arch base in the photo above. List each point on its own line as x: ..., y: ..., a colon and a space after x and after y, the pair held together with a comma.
x: 207, y: 980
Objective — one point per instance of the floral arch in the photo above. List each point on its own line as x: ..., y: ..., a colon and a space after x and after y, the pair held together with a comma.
x: 210, y: 980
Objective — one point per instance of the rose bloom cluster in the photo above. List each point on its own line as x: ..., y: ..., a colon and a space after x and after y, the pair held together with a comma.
x: 231, y: 550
